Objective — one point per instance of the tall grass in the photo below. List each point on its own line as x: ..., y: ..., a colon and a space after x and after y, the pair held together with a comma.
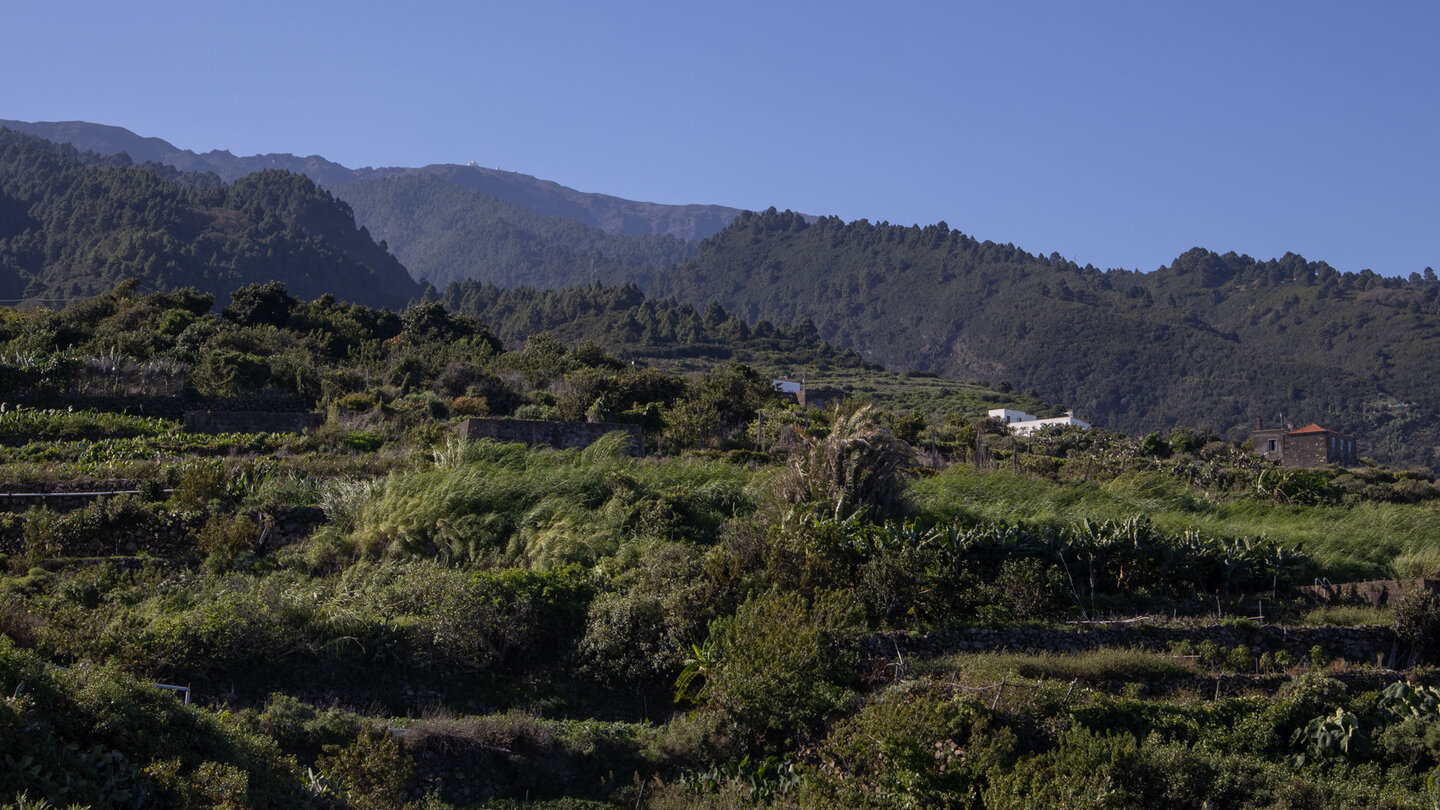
x: 1360, y: 540
x: 536, y: 508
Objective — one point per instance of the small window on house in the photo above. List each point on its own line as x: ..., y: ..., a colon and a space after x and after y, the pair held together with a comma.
x: 1270, y: 446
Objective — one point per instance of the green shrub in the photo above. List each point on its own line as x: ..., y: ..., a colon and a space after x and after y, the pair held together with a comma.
x: 224, y: 538
x: 357, y: 402
x: 627, y: 639
x: 511, y: 617
x: 914, y: 745
x: 98, y: 737
x: 98, y: 528
x: 201, y: 482
x: 782, y: 664
x: 1029, y: 590
x: 42, y: 536
x: 302, y: 730
x: 226, y: 632
x: 370, y: 773
x: 1417, y: 624
x: 1084, y: 770
x: 469, y: 406
x: 364, y: 441
x: 1240, y: 660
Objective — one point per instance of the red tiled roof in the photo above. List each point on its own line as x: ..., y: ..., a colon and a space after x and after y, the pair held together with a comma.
x: 1313, y: 428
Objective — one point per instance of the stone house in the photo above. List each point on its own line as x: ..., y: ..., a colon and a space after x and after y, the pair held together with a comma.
x: 821, y: 398
x: 1309, y: 446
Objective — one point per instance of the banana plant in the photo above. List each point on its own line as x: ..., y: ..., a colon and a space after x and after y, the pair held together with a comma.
x: 699, y: 668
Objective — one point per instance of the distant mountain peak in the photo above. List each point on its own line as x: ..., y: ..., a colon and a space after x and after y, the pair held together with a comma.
x: 612, y: 214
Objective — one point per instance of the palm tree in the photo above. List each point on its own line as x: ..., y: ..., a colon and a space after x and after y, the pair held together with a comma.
x: 859, y: 465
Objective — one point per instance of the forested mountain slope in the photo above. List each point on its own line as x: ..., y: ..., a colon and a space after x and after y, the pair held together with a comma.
x: 611, y: 214
x: 623, y: 321
x: 1211, y: 339
x: 74, y: 224
x: 446, y: 232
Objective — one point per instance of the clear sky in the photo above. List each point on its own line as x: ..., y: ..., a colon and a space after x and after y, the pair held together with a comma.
x: 1118, y: 134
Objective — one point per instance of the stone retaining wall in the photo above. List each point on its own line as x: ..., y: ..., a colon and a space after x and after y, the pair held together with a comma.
x: 1371, y: 644
x: 250, y: 421
x: 562, y: 435
x: 55, y: 501
x: 1376, y: 592
x: 170, y: 534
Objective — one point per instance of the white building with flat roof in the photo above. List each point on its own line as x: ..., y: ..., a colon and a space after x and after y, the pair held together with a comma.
x: 1023, y: 424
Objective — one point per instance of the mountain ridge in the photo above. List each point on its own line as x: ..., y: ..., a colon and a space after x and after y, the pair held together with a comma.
x: 1208, y: 339
x: 77, y: 223
x: 612, y: 214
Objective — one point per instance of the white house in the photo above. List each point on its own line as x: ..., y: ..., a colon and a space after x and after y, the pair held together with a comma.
x: 1023, y: 424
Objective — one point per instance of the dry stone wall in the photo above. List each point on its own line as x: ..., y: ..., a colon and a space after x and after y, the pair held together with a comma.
x: 250, y: 421
x: 1376, y: 592
x: 60, y: 497
x: 1373, y: 644
x: 168, y: 534
x: 537, y: 433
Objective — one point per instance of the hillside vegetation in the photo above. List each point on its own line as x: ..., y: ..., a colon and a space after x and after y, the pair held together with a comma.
x: 1217, y: 340
x: 445, y: 232
x: 545, y: 198
x: 75, y: 225
x: 774, y: 608
x: 623, y: 321
x: 1212, y: 340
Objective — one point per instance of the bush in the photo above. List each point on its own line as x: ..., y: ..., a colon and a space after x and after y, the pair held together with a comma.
x: 627, y: 640
x: 200, y: 483
x: 859, y: 465
x: 1029, y: 590
x: 357, y: 402
x: 95, y: 736
x: 224, y: 538
x: 371, y: 772
x: 511, y: 616
x: 469, y: 406
x: 781, y: 664
x: 99, y: 528
x: 917, y: 745
x: 1417, y: 623
x: 299, y: 729
x: 1086, y: 770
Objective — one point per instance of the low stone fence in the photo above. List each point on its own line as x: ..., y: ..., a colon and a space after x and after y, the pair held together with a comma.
x: 1375, y: 592
x: 169, y: 534
x: 60, y: 497
x: 250, y: 421
x: 1375, y: 644
x: 537, y: 433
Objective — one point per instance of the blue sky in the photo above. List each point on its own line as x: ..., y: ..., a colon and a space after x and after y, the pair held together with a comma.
x: 1118, y: 134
